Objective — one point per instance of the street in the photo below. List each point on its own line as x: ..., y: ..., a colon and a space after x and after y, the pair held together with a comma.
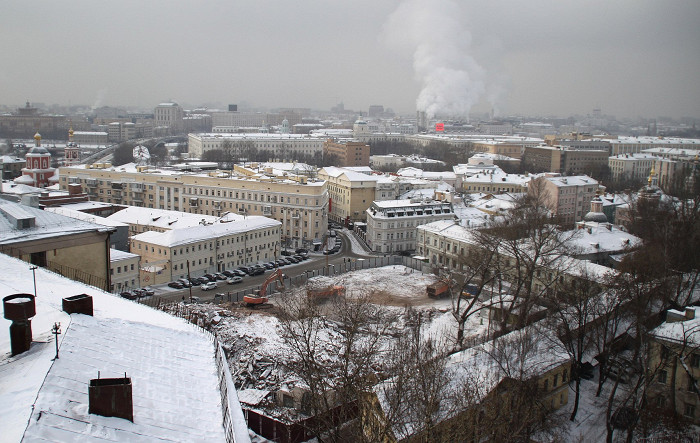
x: 317, y: 264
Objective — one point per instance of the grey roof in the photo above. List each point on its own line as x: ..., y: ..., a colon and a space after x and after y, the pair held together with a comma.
x: 46, y: 224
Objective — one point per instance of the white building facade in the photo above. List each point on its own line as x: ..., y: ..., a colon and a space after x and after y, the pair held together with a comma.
x: 391, y: 224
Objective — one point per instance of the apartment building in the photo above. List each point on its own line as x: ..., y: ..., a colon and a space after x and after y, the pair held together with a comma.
x: 279, y: 145
x: 169, y: 115
x: 391, y: 224
x: 492, y: 180
x: 349, y: 152
x: 564, y: 160
x: 569, y: 198
x: 91, y: 137
x: 631, y: 166
x: 633, y: 145
x: 349, y: 193
x: 675, y: 351
x: 298, y: 202
x: 211, y: 246
x: 124, y: 269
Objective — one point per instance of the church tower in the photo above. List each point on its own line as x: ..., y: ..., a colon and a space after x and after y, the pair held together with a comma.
x: 72, y: 152
x: 38, y: 170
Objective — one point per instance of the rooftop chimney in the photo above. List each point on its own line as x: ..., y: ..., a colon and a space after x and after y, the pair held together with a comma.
x: 111, y: 397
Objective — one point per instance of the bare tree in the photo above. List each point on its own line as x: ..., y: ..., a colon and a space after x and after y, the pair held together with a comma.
x: 573, y: 318
x: 351, y: 329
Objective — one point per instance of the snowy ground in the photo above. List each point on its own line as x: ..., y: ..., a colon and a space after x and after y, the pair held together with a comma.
x: 257, y: 350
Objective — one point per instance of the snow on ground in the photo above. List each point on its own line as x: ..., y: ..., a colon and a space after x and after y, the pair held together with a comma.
x: 395, y: 285
x: 257, y: 351
x: 171, y: 363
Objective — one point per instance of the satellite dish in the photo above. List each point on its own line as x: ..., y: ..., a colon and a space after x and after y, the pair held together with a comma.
x: 141, y: 155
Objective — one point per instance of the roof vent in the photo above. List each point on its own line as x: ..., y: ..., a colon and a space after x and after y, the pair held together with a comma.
x: 19, y: 218
x: 78, y: 304
x: 19, y: 308
x: 111, y: 397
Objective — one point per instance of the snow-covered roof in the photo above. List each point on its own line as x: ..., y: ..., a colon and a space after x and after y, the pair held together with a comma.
x: 572, y: 180
x: 46, y: 224
x: 600, y: 237
x: 65, y: 210
x: 407, y: 203
x: 520, y: 355
x: 193, y: 234
x: 691, y: 142
x: 17, y: 188
x: 170, y: 362
x: 428, y: 175
x: 686, y: 330
x: 353, y: 176
x: 164, y: 218
x: 117, y: 255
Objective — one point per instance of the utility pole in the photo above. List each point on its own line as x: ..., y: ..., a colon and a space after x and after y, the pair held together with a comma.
x: 33, y: 268
x: 188, y: 279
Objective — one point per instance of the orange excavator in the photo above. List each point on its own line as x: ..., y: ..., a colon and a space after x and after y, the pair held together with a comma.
x: 260, y: 295
x: 320, y: 295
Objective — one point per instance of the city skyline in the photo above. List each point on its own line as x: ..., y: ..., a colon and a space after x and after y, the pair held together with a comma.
x: 629, y: 58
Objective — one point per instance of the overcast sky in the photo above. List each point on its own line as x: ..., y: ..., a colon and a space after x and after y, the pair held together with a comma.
x: 543, y: 57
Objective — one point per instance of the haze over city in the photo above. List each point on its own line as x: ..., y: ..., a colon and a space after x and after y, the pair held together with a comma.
x: 628, y: 58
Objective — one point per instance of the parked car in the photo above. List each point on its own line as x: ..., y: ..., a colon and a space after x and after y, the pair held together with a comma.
x: 331, y: 233
x: 257, y: 271
x: 184, y: 282
x: 299, y: 258
x: 139, y: 293
x: 228, y: 273
x: 268, y: 266
x: 234, y: 280
x: 220, y: 276
x: 239, y: 273
x: 286, y: 253
x: 149, y: 290
x: 128, y: 295
x: 302, y: 251
x: 175, y: 284
x: 208, y: 286
x: 245, y: 269
x: 281, y: 262
x: 209, y: 277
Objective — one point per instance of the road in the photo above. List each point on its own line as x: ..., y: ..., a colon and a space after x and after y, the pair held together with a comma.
x: 344, y: 260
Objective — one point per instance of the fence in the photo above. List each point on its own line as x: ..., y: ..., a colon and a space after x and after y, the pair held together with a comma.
x: 296, y: 432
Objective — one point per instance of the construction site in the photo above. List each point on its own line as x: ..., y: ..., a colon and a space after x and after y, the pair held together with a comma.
x: 255, y: 332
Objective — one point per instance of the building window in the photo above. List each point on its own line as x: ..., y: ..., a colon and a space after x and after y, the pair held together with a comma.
x: 695, y: 360
x: 661, y: 378
x: 689, y: 410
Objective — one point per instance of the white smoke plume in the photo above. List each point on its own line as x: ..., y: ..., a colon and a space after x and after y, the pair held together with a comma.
x: 99, y: 99
x: 434, y: 34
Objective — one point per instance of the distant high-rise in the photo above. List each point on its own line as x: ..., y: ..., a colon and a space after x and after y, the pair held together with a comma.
x: 169, y: 115
x: 422, y: 121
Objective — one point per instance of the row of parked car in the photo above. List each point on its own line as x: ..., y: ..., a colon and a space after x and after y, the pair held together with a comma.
x: 210, y: 281
x: 137, y: 293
